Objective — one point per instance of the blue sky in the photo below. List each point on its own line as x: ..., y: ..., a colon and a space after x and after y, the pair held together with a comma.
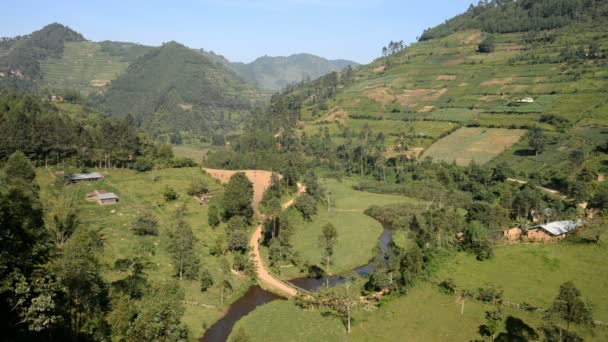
x: 241, y: 30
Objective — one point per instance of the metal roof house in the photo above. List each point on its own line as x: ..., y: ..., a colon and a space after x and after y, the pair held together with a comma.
x: 102, y: 197
x: 552, y: 231
x: 86, y: 177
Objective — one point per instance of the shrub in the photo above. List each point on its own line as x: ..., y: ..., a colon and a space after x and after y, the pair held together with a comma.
x: 206, y: 280
x: 143, y: 164
x: 448, y: 286
x: 145, y: 224
x: 170, y: 194
x: 198, y: 188
x: 487, y: 45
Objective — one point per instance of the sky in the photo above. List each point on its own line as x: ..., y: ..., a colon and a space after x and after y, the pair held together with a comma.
x: 241, y: 30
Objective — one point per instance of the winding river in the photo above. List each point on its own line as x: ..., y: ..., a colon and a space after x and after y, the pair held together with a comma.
x: 256, y: 296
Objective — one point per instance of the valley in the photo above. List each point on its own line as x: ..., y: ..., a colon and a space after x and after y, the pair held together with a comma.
x: 449, y: 189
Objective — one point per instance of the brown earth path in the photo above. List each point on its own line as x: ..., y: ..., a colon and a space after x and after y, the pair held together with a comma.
x: 261, y: 181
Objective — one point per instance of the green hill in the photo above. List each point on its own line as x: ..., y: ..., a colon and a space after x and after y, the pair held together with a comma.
x: 430, y: 89
x: 20, y: 57
x: 274, y: 73
x: 173, y: 88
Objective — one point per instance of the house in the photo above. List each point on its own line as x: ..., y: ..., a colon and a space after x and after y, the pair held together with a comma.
x: 86, y: 177
x: 552, y: 231
x: 526, y: 100
x: 512, y: 234
x: 102, y: 197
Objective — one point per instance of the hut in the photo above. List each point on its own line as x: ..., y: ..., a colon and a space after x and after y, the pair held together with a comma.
x: 85, y: 177
x: 552, y: 231
x: 102, y: 197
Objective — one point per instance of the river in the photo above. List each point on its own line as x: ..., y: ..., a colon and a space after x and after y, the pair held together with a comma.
x: 256, y: 296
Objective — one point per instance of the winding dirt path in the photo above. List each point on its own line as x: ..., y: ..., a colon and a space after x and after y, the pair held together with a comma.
x: 261, y: 181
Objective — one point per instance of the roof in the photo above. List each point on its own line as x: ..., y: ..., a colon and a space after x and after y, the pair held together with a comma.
x: 84, y: 176
x: 106, y: 196
x: 559, y: 227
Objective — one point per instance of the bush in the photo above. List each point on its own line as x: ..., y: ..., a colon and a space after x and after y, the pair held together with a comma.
x: 198, y: 188
x: 170, y: 194
x: 206, y: 280
x: 182, y: 162
x: 489, y: 295
x: 487, y: 45
x: 448, y: 286
x: 145, y: 224
x: 143, y: 164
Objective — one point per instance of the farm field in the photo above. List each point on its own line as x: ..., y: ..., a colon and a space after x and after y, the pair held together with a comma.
x: 194, y: 151
x: 357, y: 233
x: 83, y: 66
x: 533, y: 273
x: 143, y: 191
x: 478, y: 144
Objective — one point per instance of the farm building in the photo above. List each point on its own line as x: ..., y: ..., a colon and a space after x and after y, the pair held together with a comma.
x: 86, y: 177
x: 552, y: 231
x: 526, y: 100
x: 102, y: 197
x: 512, y: 234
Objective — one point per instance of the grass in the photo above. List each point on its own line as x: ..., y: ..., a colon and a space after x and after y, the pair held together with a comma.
x: 478, y: 144
x: 284, y: 321
x: 143, y: 191
x: 357, y: 233
x: 533, y: 273
x: 194, y: 151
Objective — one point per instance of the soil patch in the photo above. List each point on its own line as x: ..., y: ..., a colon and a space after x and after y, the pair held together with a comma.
x: 99, y: 83
x: 446, y: 77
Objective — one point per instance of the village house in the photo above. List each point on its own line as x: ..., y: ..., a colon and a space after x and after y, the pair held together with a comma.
x: 552, y: 231
x: 86, y: 177
x: 102, y: 197
x: 513, y: 234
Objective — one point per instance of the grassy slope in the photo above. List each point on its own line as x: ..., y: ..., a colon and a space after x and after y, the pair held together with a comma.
x: 82, y: 63
x: 357, y: 233
x: 478, y: 88
x: 138, y: 191
x: 533, y: 273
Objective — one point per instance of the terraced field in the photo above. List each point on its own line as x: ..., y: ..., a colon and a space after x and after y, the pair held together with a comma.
x: 83, y: 66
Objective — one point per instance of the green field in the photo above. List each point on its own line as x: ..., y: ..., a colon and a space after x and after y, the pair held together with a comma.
x: 357, y: 233
x: 143, y: 191
x: 533, y: 273
x: 478, y: 144
x: 282, y: 321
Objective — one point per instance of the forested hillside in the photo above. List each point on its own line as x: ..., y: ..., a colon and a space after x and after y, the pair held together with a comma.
x: 274, y: 73
x: 173, y: 88
x: 507, y: 16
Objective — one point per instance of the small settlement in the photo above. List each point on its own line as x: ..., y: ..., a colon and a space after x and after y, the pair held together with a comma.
x: 548, y: 232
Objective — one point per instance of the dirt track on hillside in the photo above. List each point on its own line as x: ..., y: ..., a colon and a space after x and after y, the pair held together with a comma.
x: 261, y: 181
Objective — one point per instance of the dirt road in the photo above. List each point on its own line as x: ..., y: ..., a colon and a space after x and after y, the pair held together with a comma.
x: 261, y: 182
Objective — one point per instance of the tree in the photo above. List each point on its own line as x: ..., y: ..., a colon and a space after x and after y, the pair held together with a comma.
x: 236, y: 230
x: 307, y: 206
x: 487, y: 45
x: 273, y: 209
x: 206, y: 280
x: 238, y: 197
x: 312, y: 186
x: 145, y: 224
x: 170, y: 194
x: 493, y: 323
x: 158, y: 315
x: 213, y: 216
x: 61, y: 216
x: 594, y: 229
x: 537, y: 140
x: 327, y: 241
x: 181, y: 247
x: 345, y: 300
x: 198, y: 188
x: 225, y: 288
x: 570, y: 307
x: 18, y: 166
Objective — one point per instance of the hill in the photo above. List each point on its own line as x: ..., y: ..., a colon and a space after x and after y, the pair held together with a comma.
x: 418, y: 95
x: 20, y: 56
x: 274, y: 73
x: 173, y: 88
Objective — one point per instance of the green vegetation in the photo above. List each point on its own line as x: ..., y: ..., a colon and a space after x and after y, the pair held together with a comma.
x: 473, y: 144
x: 172, y: 89
x: 290, y: 323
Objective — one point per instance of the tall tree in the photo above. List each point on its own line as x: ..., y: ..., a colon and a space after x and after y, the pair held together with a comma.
x: 537, y: 140
x: 181, y: 247
x: 327, y: 241
x: 238, y: 197
x: 570, y: 306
